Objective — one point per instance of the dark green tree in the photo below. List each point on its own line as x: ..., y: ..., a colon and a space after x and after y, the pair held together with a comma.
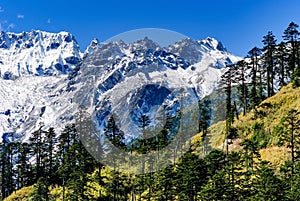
x: 190, y: 176
x: 290, y: 134
x: 36, y: 141
x: 241, y: 78
x: 41, y: 191
x: 114, y: 134
x: 281, y: 68
x: 255, y: 92
x: 291, y: 36
x: 164, y: 189
x: 268, y: 56
x: 267, y: 184
x: 49, y: 141
x: 23, y: 166
x: 227, y: 80
x: 250, y: 153
x: 7, y: 155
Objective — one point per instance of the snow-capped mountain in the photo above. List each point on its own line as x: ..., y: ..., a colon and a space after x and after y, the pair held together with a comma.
x: 44, y: 76
x: 37, y: 53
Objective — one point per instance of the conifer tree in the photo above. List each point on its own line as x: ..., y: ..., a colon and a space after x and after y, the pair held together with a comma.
x: 241, y: 78
x: 290, y: 135
x: 291, y: 36
x: 281, y: 64
x: 48, y: 159
x: 269, y: 48
x: 23, y: 165
x: 255, y: 96
x: 204, y: 122
x: 268, y: 185
x: 227, y: 80
x: 36, y: 141
x: 7, y: 155
x: 190, y: 176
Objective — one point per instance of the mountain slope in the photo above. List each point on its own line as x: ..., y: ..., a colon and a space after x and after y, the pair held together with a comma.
x: 45, y: 75
x: 260, y: 125
x: 37, y: 53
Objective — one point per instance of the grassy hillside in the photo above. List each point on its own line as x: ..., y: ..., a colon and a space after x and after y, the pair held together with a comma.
x: 269, y: 113
x: 259, y: 125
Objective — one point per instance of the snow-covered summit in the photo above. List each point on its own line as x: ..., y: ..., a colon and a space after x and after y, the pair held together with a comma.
x: 194, y: 51
x: 44, y: 74
x: 37, y: 53
x: 94, y: 45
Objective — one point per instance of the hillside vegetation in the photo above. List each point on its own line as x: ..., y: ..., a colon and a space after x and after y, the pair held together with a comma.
x: 260, y: 125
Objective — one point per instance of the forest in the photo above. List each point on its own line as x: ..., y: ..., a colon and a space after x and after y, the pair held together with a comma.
x: 257, y: 156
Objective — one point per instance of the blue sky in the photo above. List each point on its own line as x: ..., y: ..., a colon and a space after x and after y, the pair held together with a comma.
x: 239, y: 24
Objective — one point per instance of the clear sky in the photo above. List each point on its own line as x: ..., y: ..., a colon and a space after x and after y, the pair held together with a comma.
x: 239, y: 24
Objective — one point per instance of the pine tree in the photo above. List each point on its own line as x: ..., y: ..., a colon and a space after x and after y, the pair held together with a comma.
x: 65, y: 156
x: 48, y: 159
x: 164, y: 189
x: 37, y: 151
x: 217, y: 184
x: 241, y: 78
x: 233, y: 168
x: 255, y: 96
x: 268, y: 186
x: 291, y: 36
x: 227, y: 80
x: 281, y: 64
x: 23, y: 165
x: 76, y: 163
x: 269, y: 48
x: 290, y: 135
x: 7, y: 155
x: 204, y: 122
x: 114, y: 134
x: 190, y: 176
x: 41, y: 191
x: 250, y: 153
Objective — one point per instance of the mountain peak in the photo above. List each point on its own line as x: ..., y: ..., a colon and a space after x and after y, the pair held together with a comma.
x: 42, y: 96
x: 38, y: 53
x: 93, y: 46
x: 145, y: 43
x: 212, y: 43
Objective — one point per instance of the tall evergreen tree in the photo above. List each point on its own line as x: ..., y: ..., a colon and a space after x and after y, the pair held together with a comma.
x: 291, y: 36
x: 7, y: 155
x: 48, y: 159
x: 241, y: 78
x: 227, y: 80
x: 281, y: 64
x: 23, y: 165
x: 204, y: 122
x: 268, y: 185
x: 190, y: 176
x: 290, y: 135
x: 255, y: 96
x: 114, y: 134
x: 36, y: 141
x: 269, y: 48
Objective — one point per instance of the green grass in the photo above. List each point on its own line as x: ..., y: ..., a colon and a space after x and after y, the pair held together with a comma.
x: 259, y: 124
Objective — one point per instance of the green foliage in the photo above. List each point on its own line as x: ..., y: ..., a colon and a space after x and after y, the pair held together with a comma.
x: 296, y: 79
x: 268, y: 185
x: 259, y: 136
x: 40, y: 192
x: 21, y: 194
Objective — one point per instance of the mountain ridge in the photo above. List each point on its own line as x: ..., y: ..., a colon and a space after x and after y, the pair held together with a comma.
x: 45, y: 96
